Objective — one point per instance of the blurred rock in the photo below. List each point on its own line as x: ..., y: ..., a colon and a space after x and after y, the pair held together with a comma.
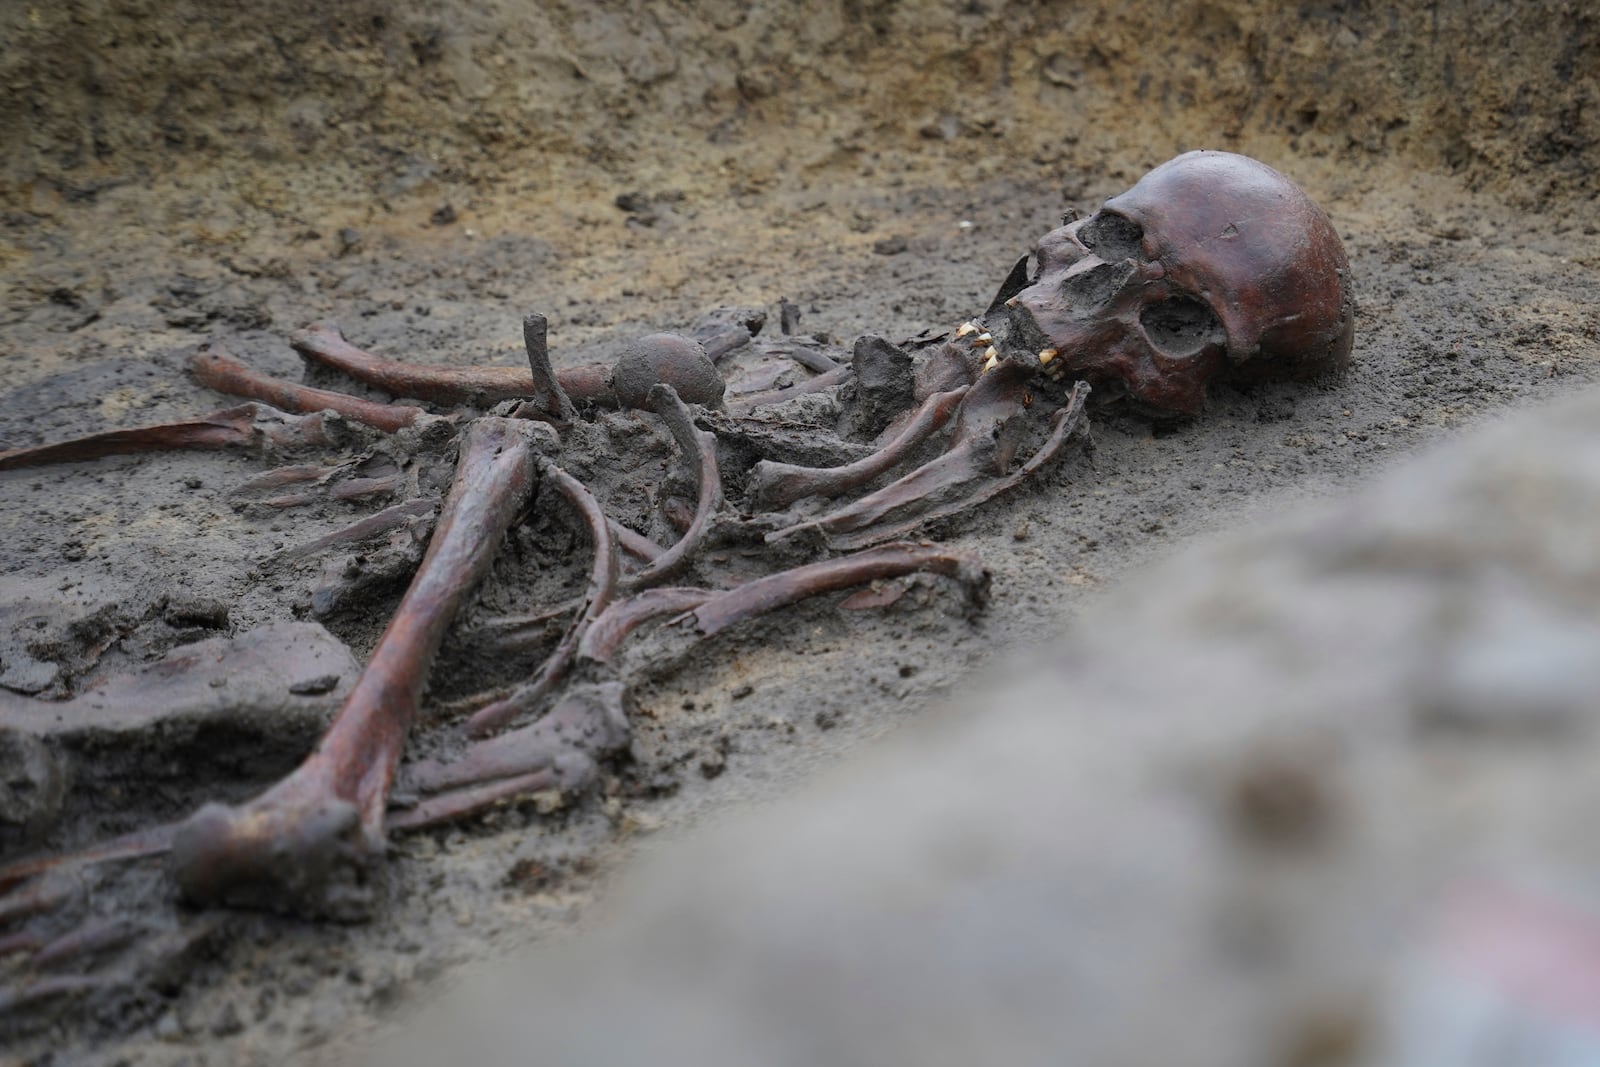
x: 1230, y: 819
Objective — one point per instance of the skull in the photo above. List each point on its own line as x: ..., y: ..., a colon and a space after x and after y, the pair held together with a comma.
x: 1213, y: 266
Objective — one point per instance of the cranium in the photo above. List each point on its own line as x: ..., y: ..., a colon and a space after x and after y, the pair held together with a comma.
x: 1213, y: 266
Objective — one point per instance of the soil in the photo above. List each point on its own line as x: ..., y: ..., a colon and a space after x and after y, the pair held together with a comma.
x: 178, y: 175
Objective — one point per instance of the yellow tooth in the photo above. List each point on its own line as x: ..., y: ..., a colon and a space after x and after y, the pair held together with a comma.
x: 992, y: 362
x: 984, y: 338
x: 966, y: 329
x: 1046, y: 355
x: 991, y: 352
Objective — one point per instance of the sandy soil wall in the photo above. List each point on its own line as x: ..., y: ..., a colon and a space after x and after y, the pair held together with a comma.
x: 370, y: 93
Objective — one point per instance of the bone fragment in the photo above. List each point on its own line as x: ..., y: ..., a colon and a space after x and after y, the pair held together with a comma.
x: 547, y: 396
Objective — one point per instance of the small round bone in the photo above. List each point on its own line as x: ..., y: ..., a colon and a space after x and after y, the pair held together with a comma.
x: 666, y: 359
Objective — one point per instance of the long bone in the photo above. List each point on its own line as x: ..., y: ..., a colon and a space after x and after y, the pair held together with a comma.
x: 214, y: 368
x: 306, y: 843
x: 250, y: 427
x: 480, y: 386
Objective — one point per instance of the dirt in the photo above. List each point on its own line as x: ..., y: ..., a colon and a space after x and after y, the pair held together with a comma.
x: 177, y: 175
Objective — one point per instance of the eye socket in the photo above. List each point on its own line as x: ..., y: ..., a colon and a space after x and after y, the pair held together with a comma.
x: 1112, y: 237
x: 1181, y: 326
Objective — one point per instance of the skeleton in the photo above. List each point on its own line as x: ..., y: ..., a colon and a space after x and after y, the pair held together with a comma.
x: 1212, y: 268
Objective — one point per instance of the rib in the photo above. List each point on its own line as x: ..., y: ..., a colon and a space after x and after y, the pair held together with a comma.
x: 634, y: 543
x: 606, y: 634
x: 214, y: 368
x: 700, y: 451
x: 471, y: 800
x: 1062, y: 424
x: 585, y: 725
x: 307, y: 844
x: 362, y: 529
x: 969, y: 472
x: 562, y: 750
x: 778, y: 485
x: 602, y: 586
x: 762, y: 595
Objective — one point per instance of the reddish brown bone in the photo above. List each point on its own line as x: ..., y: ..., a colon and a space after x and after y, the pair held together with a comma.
x: 305, y: 845
x: 216, y: 369
x: 700, y: 451
x: 1062, y: 423
x: 248, y: 426
x: 586, y: 724
x: 778, y: 485
x: 750, y: 401
x: 562, y: 749
x: 479, y: 386
x: 971, y: 471
x: 602, y: 640
x: 591, y: 718
x: 602, y: 586
x: 791, y: 586
x: 547, y: 397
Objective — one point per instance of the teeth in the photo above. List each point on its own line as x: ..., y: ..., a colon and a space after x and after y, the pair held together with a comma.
x: 984, y: 338
x: 1046, y: 355
x: 991, y: 353
x: 966, y: 329
x: 993, y: 361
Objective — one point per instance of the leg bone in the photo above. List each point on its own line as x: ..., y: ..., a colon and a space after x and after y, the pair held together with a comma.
x: 306, y: 843
x: 252, y: 427
x: 479, y: 386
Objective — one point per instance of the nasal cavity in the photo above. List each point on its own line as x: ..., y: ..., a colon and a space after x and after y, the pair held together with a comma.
x: 1092, y: 286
